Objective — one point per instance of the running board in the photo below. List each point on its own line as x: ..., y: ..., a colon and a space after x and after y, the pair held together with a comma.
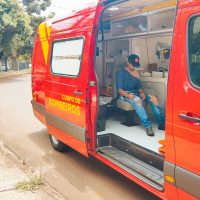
x: 149, y: 173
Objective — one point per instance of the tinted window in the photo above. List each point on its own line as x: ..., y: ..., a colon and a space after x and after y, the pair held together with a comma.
x: 66, y: 57
x: 194, y: 50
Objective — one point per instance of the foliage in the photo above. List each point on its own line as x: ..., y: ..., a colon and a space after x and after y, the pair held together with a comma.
x: 34, y: 9
x: 35, y: 6
x: 33, y: 182
x: 15, y: 29
x: 18, y: 24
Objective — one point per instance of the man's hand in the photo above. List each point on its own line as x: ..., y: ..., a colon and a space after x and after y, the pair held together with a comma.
x: 142, y: 96
x: 131, y: 96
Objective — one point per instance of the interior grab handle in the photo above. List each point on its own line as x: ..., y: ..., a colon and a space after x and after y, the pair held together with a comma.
x: 189, y: 118
x: 78, y: 92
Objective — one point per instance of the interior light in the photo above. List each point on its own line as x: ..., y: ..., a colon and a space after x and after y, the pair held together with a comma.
x: 113, y: 8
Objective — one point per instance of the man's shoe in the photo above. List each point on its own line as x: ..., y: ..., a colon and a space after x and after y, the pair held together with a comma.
x: 161, y: 127
x: 149, y: 131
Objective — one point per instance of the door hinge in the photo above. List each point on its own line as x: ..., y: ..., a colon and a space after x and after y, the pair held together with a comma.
x: 88, y: 139
x: 86, y: 100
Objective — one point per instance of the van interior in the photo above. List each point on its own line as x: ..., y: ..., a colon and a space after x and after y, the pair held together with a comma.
x: 144, y: 28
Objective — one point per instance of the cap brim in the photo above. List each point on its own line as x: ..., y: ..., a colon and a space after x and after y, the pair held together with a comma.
x: 137, y: 65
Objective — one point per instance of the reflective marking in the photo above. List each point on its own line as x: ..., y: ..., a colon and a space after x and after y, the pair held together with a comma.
x: 66, y: 126
x: 169, y: 179
x: 169, y: 171
x: 44, y: 34
x: 188, y: 181
x: 38, y: 107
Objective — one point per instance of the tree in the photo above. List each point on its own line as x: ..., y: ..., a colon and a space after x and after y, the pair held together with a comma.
x: 34, y: 9
x: 15, y: 29
x: 35, y: 6
x: 18, y: 23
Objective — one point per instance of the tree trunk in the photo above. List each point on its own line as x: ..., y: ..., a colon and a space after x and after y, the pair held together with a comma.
x: 6, y: 64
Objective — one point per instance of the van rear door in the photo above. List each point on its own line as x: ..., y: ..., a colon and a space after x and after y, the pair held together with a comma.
x: 67, y: 84
x: 186, y: 101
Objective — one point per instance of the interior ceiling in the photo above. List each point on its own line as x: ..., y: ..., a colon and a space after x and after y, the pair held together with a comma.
x: 135, y: 6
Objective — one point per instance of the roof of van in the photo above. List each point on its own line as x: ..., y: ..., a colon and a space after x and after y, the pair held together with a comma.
x: 77, y: 11
x: 80, y: 10
x: 77, y: 18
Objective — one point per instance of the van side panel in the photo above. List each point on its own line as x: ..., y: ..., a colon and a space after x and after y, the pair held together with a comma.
x: 66, y: 96
x: 170, y: 188
x: 186, y: 100
x: 186, y: 3
x: 185, y: 196
x: 186, y: 107
x: 38, y: 81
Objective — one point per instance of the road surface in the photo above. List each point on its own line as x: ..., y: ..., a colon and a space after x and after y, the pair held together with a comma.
x: 71, y: 174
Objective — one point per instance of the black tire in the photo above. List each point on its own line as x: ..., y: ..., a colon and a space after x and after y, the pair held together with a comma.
x: 57, y: 144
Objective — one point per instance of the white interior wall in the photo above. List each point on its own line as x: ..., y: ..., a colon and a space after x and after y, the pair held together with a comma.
x: 99, y: 64
x: 145, y: 48
x: 139, y: 47
x: 152, y: 42
x: 115, y: 46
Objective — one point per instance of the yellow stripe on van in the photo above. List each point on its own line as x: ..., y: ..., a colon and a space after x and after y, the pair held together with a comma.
x: 48, y: 32
x: 158, y: 6
x: 44, y: 34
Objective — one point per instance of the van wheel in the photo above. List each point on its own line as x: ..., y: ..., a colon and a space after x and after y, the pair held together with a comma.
x: 57, y: 144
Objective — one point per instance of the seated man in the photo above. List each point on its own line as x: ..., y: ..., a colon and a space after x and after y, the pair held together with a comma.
x: 130, y: 89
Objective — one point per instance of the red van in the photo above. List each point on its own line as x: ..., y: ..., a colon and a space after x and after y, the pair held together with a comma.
x: 75, y: 61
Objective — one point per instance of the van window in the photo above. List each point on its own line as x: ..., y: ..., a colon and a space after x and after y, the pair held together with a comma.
x: 194, y: 50
x: 66, y: 56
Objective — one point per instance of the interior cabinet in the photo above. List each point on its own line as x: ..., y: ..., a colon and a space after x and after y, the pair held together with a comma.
x: 162, y: 20
x: 136, y: 24
x: 155, y: 21
x: 114, y: 49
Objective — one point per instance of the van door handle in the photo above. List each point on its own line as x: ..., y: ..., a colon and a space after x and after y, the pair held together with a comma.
x: 189, y: 118
x: 78, y: 92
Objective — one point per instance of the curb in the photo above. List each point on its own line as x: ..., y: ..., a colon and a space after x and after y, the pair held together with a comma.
x: 46, y: 190
x: 11, y: 74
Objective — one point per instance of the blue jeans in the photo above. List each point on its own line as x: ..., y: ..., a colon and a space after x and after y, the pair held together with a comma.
x: 137, y: 103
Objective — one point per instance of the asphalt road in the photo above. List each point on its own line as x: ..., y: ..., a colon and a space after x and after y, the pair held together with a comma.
x: 71, y: 174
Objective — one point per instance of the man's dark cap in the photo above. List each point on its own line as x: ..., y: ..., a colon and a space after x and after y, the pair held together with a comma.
x: 134, y: 60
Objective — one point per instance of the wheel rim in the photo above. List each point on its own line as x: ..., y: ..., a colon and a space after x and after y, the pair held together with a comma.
x: 55, y: 140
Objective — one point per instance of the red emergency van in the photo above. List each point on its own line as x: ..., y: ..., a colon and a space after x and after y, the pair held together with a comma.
x: 75, y: 61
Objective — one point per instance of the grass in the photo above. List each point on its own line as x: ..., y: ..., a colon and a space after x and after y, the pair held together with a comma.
x: 33, y: 182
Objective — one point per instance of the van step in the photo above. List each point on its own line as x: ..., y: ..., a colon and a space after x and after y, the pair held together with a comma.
x: 149, y: 157
x: 143, y: 171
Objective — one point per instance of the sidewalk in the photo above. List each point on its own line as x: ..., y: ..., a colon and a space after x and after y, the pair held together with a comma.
x: 12, y: 173
x: 12, y: 73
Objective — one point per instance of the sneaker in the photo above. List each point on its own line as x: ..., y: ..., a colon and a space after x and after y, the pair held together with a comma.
x: 161, y: 127
x: 149, y: 131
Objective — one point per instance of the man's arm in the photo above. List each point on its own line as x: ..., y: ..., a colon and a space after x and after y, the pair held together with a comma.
x: 141, y: 91
x: 119, y: 85
x: 125, y: 94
